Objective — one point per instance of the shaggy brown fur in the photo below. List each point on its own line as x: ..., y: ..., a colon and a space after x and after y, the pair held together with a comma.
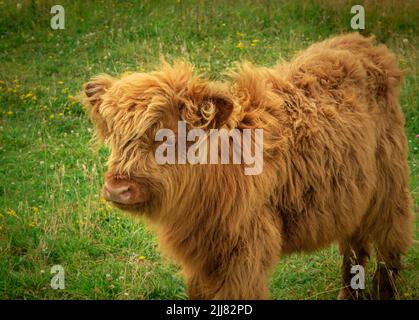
x: 335, y: 166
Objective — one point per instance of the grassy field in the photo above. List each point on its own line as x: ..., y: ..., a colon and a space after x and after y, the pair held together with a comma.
x: 50, y: 177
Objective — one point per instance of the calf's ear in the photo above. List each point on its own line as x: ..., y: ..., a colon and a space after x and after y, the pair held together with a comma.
x: 96, y: 87
x: 93, y: 97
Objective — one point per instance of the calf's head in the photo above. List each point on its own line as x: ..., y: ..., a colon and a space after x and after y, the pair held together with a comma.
x: 127, y: 114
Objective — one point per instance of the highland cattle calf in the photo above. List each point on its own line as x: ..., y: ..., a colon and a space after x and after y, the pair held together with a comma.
x: 334, y: 165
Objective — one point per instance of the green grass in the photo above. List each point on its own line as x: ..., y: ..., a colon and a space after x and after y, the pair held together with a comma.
x: 50, y: 178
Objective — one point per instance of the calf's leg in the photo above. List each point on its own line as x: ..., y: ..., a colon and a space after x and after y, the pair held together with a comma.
x: 238, y: 267
x: 392, y: 238
x: 355, y: 251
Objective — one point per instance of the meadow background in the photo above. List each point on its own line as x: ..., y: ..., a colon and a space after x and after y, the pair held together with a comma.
x: 50, y: 176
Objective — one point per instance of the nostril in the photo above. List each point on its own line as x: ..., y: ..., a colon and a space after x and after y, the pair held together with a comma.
x: 126, y: 194
x: 117, y: 194
x: 116, y: 190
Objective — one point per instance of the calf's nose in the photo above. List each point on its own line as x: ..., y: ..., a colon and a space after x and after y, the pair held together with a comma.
x: 120, y: 194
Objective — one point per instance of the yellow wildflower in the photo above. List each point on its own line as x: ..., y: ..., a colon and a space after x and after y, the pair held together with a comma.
x: 11, y: 212
x: 240, y: 45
